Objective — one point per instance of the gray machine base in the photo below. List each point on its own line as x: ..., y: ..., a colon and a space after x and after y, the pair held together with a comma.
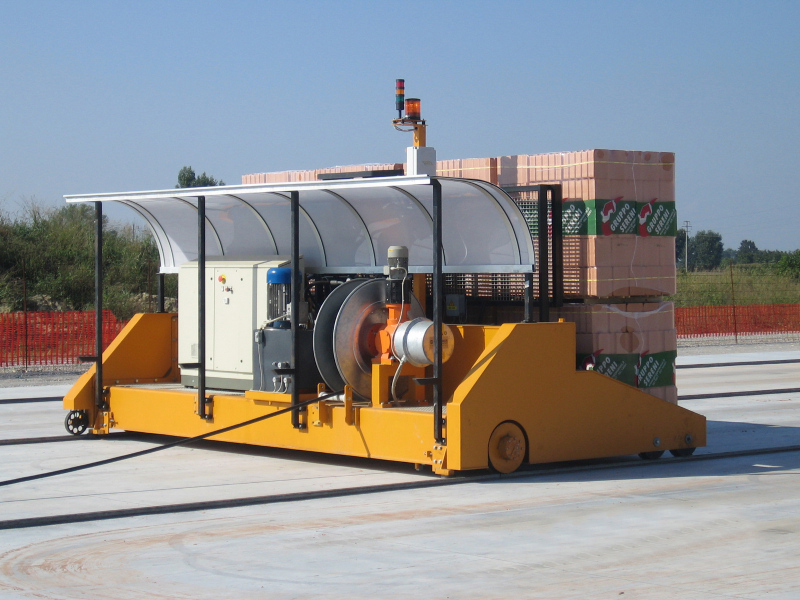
x: 275, y: 347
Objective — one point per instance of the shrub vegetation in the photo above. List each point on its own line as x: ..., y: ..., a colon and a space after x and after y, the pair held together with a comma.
x: 47, y: 261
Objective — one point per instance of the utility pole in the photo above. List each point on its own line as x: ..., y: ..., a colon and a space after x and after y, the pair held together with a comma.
x: 687, y: 226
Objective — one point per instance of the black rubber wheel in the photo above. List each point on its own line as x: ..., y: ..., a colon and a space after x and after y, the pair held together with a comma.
x: 682, y: 452
x: 76, y: 422
x: 654, y: 455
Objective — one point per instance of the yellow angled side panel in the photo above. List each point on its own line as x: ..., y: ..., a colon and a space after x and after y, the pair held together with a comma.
x: 81, y: 394
x: 144, y: 351
x: 527, y: 375
x: 497, y: 388
x: 469, y: 342
x: 609, y: 418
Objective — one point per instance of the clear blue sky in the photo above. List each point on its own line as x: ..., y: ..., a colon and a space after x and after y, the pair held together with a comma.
x: 113, y: 96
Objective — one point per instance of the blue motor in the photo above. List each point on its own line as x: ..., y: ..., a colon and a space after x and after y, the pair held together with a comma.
x: 279, y: 297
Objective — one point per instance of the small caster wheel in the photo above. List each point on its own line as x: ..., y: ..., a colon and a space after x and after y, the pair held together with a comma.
x: 682, y: 452
x: 76, y: 422
x: 654, y: 455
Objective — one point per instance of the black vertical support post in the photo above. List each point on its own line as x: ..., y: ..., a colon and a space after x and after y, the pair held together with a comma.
x: 528, y: 298
x: 544, y: 260
x: 201, y: 306
x: 296, y: 275
x: 437, y: 311
x: 161, y: 293
x: 99, y: 399
x: 558, y: 247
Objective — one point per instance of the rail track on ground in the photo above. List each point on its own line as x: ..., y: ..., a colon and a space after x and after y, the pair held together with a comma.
x: 429, y: 481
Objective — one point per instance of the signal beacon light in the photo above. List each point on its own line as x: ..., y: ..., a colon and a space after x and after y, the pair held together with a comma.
x: 400, y: 97
x: 413, y: 109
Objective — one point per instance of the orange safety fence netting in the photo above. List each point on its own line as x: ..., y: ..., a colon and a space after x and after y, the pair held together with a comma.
x: 701, y: 321
x: 52, y: 338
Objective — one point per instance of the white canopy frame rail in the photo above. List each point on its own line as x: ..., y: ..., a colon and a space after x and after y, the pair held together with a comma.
x: 346, y: 226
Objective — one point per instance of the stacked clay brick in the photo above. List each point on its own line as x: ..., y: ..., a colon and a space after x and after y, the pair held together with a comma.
x: 634, y: 342
x: 311, y: 175
x: 619, y: 218
x: 619, y: 225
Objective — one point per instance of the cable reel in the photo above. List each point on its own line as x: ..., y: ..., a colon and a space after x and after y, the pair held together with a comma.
x: 345, y: 330
x: 365, y: 321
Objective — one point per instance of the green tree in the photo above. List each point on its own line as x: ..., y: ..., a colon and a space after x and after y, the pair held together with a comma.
x: 188, y: 179
x: 728, y: 257
x: 789, y: 265
x: 747, y: 253
x: 770, y: 256
x: 708, y: 249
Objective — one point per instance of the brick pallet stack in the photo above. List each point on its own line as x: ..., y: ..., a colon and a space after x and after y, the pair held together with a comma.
x: 619, y: 224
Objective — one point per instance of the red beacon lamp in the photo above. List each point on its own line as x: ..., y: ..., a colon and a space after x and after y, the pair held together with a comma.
x: 412, y: 121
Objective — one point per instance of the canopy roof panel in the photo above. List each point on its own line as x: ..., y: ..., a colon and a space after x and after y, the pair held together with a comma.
x: 346, y: 226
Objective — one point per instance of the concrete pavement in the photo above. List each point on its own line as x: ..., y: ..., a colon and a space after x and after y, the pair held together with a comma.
x: 715, y: 528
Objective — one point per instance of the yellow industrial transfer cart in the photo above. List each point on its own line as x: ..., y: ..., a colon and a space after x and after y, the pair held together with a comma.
x: 328, y: 297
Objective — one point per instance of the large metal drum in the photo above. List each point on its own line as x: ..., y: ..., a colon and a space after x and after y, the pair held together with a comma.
x: 345, y: 324
x: 323, y: 334
x: 413, y: 341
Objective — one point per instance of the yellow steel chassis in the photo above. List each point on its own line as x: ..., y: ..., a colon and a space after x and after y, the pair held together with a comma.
x: 519, y: 373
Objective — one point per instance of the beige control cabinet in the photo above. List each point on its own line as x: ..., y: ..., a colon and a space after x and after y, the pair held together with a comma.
x: 236, y: 305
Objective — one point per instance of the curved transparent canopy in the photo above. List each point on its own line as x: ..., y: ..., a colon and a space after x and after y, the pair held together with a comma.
x: 346, y: 226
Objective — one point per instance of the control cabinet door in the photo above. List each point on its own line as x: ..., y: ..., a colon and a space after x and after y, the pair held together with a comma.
x: 233, y: 320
